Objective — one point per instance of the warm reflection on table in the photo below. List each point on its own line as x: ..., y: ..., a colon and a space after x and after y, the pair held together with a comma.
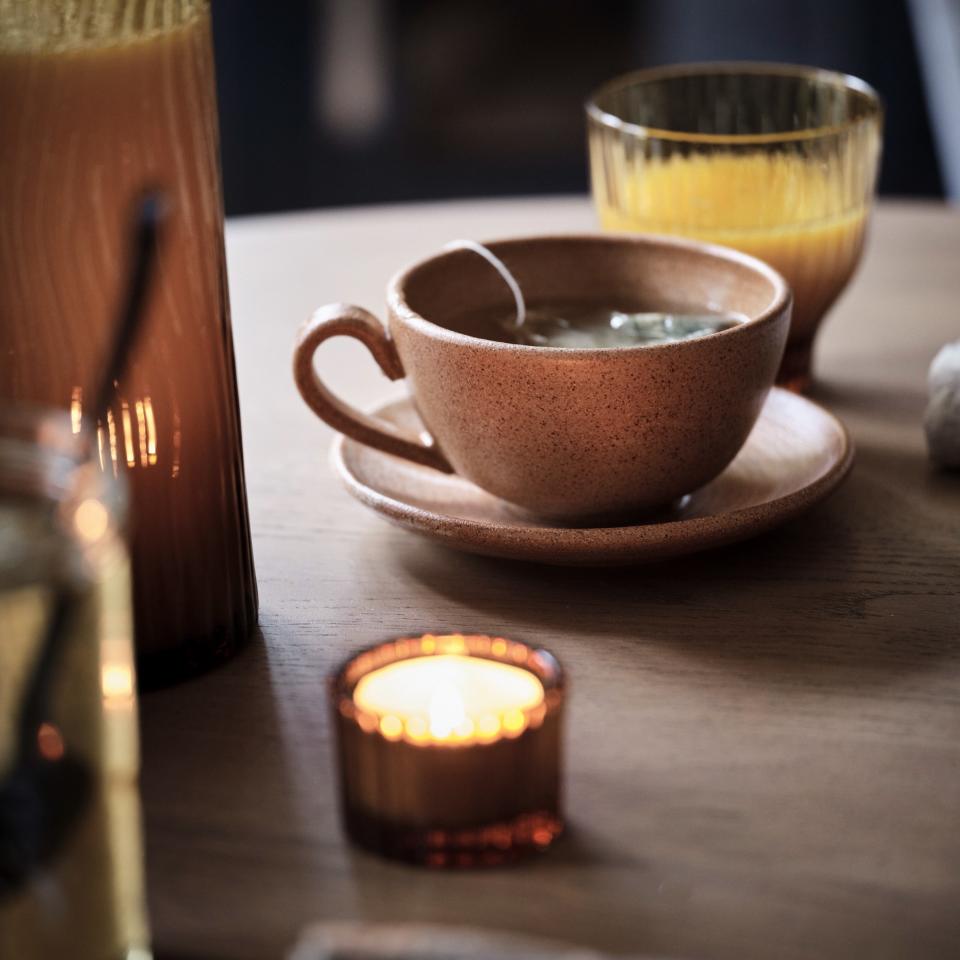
x: 763, y: 746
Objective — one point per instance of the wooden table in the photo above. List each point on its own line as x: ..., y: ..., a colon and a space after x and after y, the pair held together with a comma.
x: 763, y: 742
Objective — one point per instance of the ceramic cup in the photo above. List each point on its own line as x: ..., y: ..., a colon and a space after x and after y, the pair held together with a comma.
x: 567, y: 432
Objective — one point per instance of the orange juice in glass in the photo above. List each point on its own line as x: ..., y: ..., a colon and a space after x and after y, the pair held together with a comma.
x: 778, y: 161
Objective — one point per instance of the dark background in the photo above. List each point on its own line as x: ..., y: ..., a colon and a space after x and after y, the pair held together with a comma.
x: 334, y: 102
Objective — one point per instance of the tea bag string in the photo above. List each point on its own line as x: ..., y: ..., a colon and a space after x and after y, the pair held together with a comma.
x: 499, y: 266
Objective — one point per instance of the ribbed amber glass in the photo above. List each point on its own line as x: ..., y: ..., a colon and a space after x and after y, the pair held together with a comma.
x: 778, y: 161
x: 98, y: 100
x: 478, y: 795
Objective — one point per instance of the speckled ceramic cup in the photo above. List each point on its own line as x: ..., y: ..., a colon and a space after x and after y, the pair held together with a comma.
x: 571, y: 433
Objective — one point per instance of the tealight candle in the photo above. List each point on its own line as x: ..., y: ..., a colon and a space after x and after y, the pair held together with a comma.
x: 450, y: 748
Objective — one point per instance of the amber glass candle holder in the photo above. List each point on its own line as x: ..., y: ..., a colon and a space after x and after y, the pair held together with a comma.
x: 778, y: 161
x: 449, y: 749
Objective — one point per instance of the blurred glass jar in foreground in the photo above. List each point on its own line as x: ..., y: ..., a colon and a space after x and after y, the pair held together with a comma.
x: 99, y: 99
x: 71, y: 864
x: 775, y: 160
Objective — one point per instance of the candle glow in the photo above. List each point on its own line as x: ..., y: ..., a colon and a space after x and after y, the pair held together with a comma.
x: 449, y: 748
x: 450, y: 699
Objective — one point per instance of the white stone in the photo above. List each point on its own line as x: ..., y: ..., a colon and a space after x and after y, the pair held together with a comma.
x: 942, y: 419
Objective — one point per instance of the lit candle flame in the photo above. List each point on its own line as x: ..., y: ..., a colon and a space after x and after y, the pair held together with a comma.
x: 453, y: 699
x: 447, y: 711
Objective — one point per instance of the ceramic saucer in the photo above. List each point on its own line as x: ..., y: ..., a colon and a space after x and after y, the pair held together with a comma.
x: 795, y: 456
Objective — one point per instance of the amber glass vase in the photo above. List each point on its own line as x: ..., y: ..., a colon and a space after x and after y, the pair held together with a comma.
x: 776, y: 160
x: 98, y: 99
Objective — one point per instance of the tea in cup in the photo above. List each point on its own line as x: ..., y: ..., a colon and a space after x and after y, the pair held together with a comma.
x: 570, y: 431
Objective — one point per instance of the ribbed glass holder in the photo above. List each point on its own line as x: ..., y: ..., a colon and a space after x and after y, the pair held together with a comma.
x: 481, y: 799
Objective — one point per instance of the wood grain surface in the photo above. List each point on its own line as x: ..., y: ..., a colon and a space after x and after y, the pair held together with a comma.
x: 763, y: 742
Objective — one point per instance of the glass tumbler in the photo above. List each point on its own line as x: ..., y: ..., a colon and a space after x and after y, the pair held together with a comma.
x: 778, y: 161
x: 100, y: 99
x: 71, y: 866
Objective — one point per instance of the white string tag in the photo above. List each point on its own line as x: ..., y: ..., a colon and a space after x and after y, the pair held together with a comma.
x: 499, y: 266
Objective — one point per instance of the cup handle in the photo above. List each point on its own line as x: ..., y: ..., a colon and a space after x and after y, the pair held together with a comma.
x: 341, y: 319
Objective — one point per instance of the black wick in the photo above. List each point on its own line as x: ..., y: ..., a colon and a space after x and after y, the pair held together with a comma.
x: 46, y: 788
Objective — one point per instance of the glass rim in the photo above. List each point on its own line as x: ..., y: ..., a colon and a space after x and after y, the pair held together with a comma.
x: 40, y: 442
x: 45, y: 468
x: 538, y: 661
x: 400, y: 308
x: 833, y: 78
